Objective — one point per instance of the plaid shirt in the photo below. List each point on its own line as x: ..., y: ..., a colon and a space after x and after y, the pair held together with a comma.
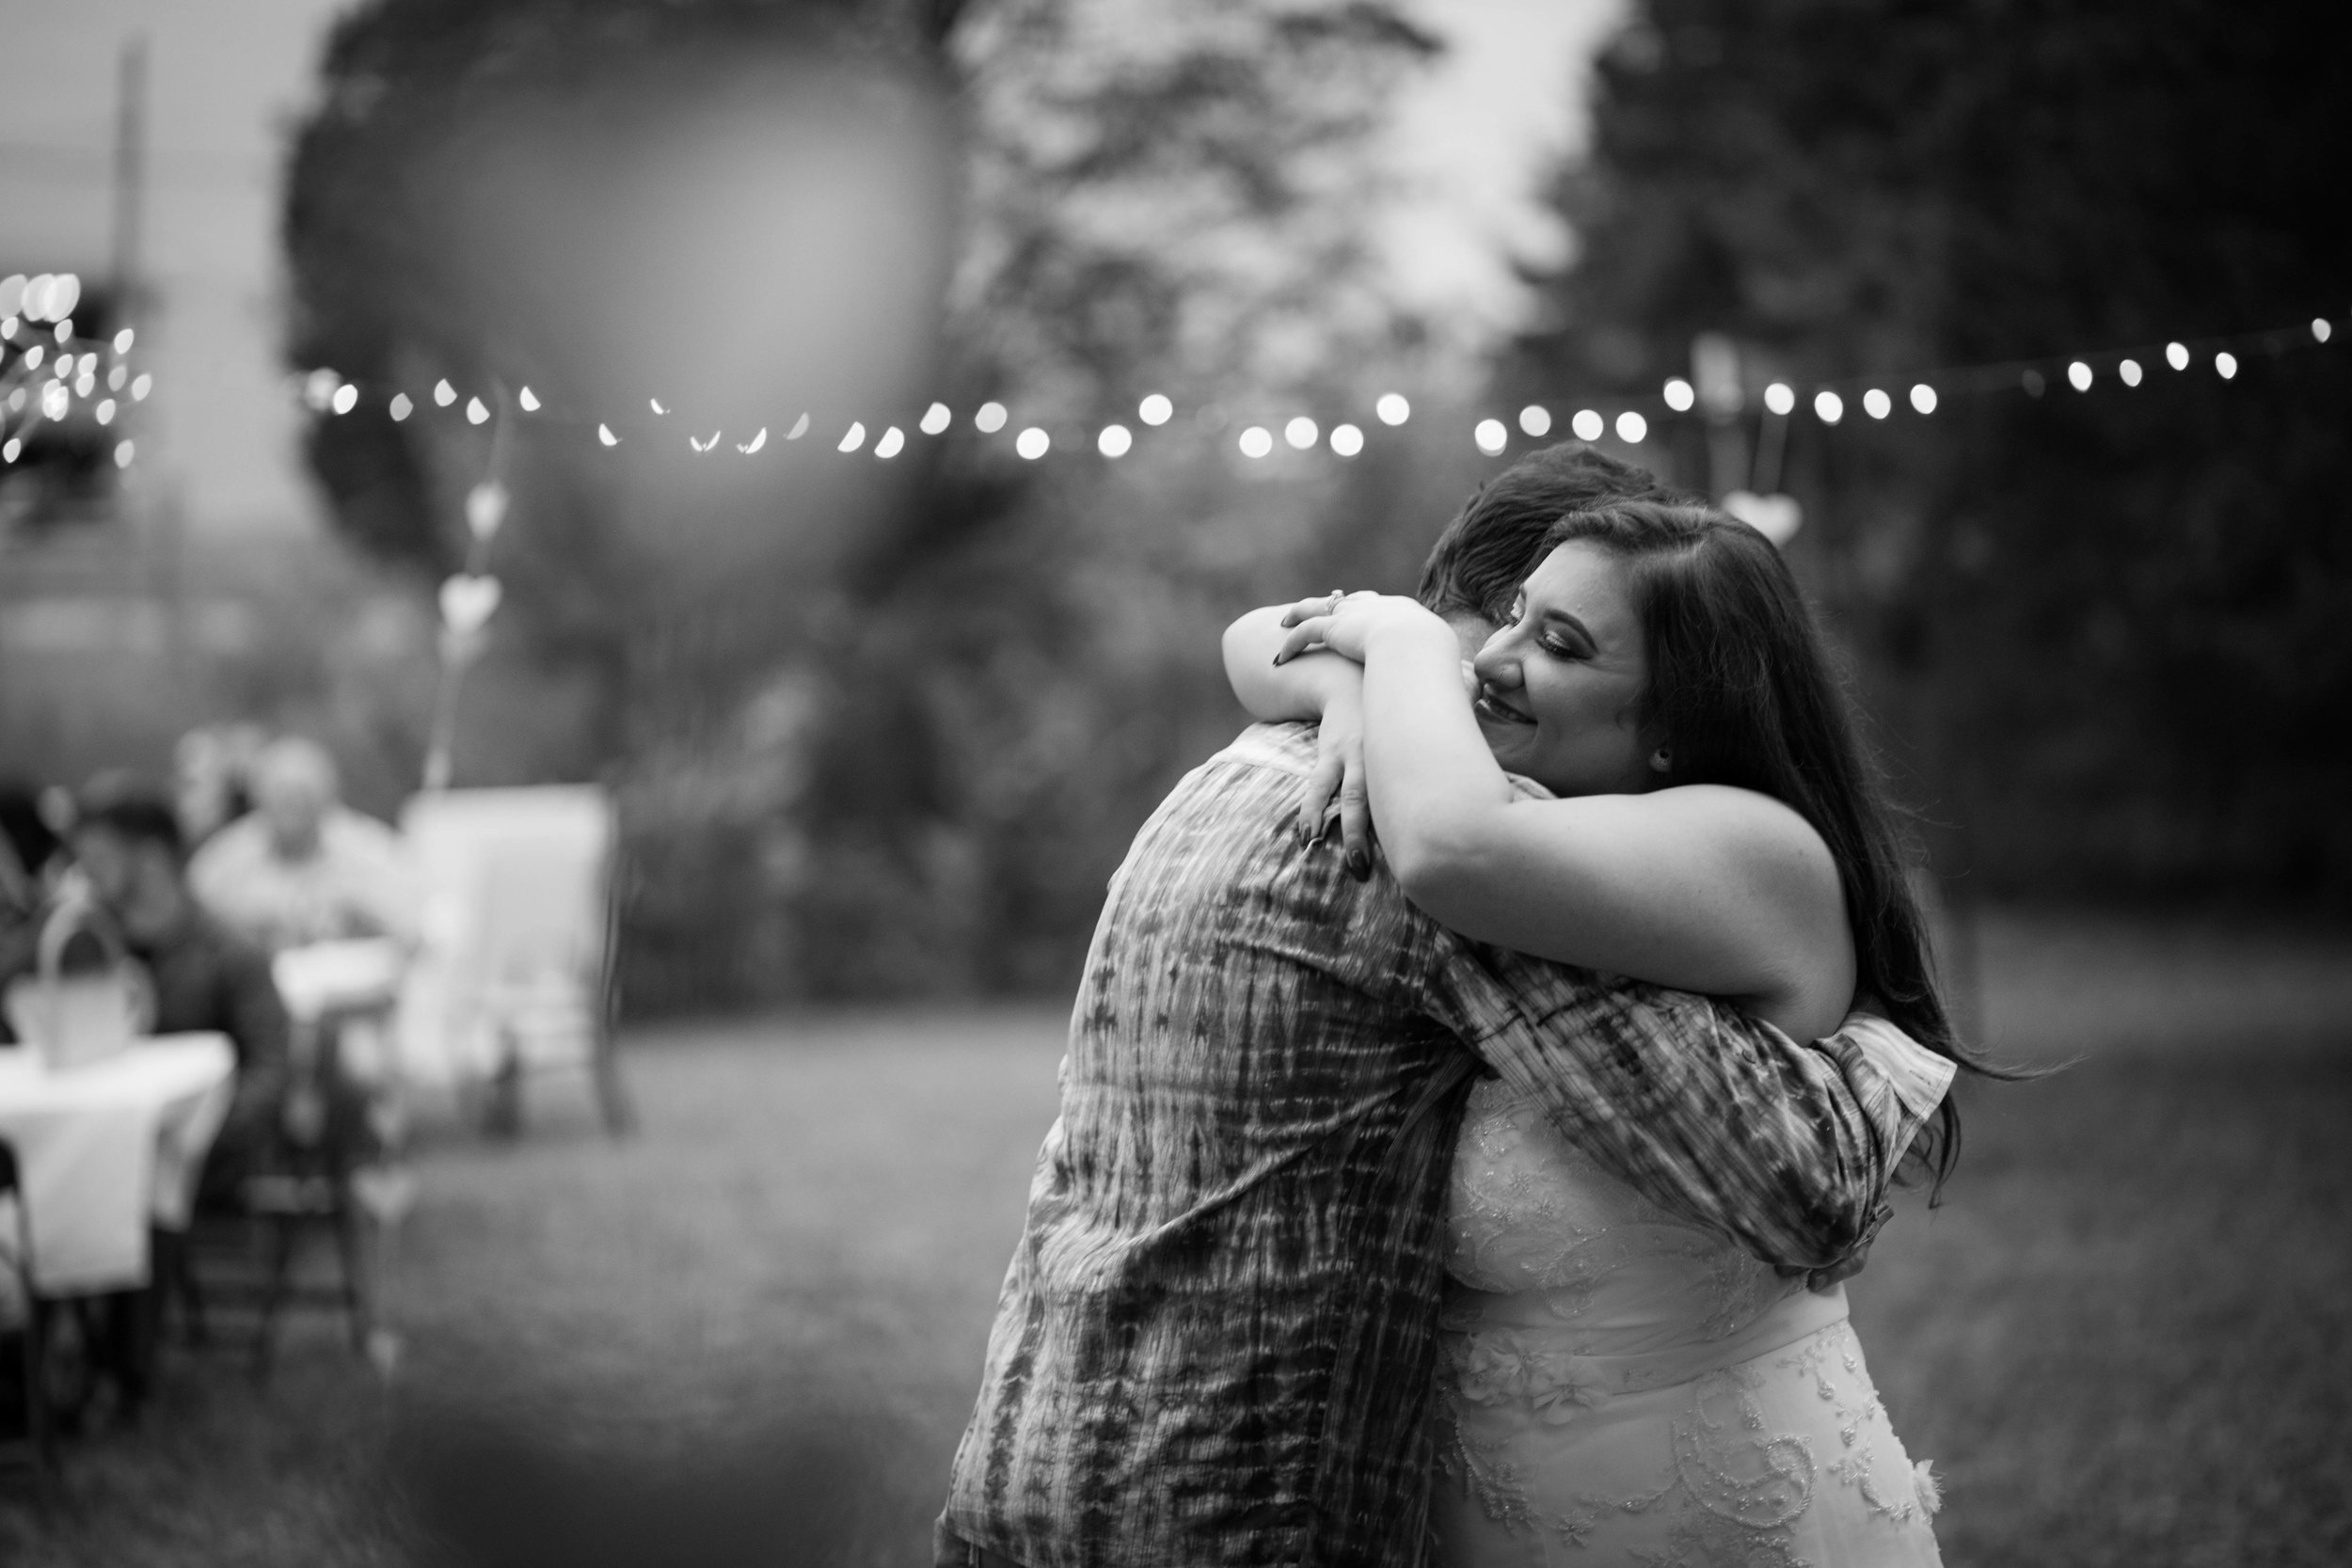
x: 1216, y: 1341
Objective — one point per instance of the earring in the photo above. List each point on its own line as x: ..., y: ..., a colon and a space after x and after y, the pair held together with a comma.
x: 1662, y: 761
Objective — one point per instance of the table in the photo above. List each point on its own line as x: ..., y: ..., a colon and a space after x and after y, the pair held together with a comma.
x: 106, y: 1150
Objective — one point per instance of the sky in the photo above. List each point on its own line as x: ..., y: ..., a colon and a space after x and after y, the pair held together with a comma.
x: 1472, y: 140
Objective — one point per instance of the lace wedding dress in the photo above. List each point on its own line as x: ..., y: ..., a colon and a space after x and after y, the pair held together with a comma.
x: 1621, y: 1386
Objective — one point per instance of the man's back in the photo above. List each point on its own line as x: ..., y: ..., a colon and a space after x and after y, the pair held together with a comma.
x: 1212, y: 1344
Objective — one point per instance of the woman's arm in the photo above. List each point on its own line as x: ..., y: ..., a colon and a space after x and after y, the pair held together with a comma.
x: 1319, y: 688
x: 1703, y: 888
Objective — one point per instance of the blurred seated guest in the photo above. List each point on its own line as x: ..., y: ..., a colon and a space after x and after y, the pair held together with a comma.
x: 211, y: 777
x: 28, y: 848
x: 126, y: 843
x: 301, y: 867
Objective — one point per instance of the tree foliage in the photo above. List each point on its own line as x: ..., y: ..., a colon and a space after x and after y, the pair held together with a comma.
x: 2100, y: 628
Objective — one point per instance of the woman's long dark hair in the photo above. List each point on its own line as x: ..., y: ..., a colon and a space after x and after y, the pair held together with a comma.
x: 1742, y: 691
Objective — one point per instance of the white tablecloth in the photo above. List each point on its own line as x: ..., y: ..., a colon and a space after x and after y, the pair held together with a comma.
x: 106, y: 1150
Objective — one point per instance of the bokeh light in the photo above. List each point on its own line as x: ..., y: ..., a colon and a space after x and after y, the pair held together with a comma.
x: 1033, y: 443
x: 893, y: 441
x: 141, y: 384
x: 124, y: 451
x: 1535, y: 419
x: 2176, y: 355
x: 855, y: 438
x: 1828, y: 407
x: 1301, y: 432
x: 1588, y: 424
x: 1346, y: 440
x: 748, y: 448
x: 476, y: 411
x: 1491, y: 437
x: 443, y: 393
x: 1155, y: 410
x: 1923, y: 397
x: 935, y: 419
x: 318, y: 389
x: 1256, y: 441
x: 799, y: 428
x: 105, y: 411
x: 527, y: 400
x: 9, y: 448
x: 2129, y: 371
x: 1392, y: 408
x: 54, y: 400
x: 401, y: 406
x: 12, y: 293
x: 1681, y: 395
x: 346, y: 398
x: 1877, y: 404
x: 123, y: 339
x: 2079, y: 376
x: 33, y: 355
x: 1113, y: 441
x: 605, y: 435
x: 1631, y: 428
x: 989, y: 420
x: 2321, y: 331
x: 2225, y: 363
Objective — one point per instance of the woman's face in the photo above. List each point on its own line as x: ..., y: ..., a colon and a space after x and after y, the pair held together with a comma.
x: 1561, y: 681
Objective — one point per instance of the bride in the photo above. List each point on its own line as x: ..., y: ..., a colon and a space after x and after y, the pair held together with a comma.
x: 1655, y: 776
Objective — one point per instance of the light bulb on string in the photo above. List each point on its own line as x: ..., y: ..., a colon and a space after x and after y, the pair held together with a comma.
x: 1492, y: 436
x: 319, y: 388
x: 485, y: 509
x: 476, y: 411
x: 991, y: 418
x: 700, y: 444
x: 657, y: 405
x: 1631, y: 428
x: 1681, y: 395
x: 1301, y: 432
x: 528, y: 400
x: 1588, y: 425
x: 935, y: 419
x: 747, y: 447
x: 1877, y: 404
x: 123, y: 339
x: 443, y: 393
x: 2225, y: 363
x: 2176, y: 355
x: 7, y: 329
x: 2079, y: 376
x: 1033, y: 443
x: 1535, y: 419
x: 604, y: 435
x: 1392, y: 408
x: 115, y: 377
x: 33, y: 355
x: 854, y: 439
x: 1923, y: 397
x: 1115, y: 440
x: 401, y: 407
x: 893, y: 441
x: 1828, y: 406
x: 2321, y: 331
x: 54, y: 400
x: 124, y: 453
x: 1346, y: 440
x: 1155, y: 410
x: 1256, y: 441
x: 9, y: 447
x: 346, y: 398
x: 799, y: 428
x: 2129, y: 372
x: 105, y: 411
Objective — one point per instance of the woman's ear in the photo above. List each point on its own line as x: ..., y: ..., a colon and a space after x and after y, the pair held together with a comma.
x: 1662, y: 760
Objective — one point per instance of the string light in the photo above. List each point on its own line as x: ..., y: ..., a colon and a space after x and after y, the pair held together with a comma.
x: 527, y: 400
x: 2031, y: 382
x: 124, y: 453
x: 124, y: 339
x: 1347, y: 441
x: 799, y: 428
x: 1392, y: 409
x: 115, y: 377
x: 935, y: 419
x: 604, y: 435
x: 1877, y: 404
x: 1828, y: 406
x: 747, y: 447
x: 1491, y: 437
x: 1681, y: 395
x: 1155, y: 410
x: 2225, y: 363
x: 105, y: 412
x: 476, y: 411
x: 1631, y: 428
x: 9, y: 447
x: 1588, y: 424
x: 2176, y: 355
x: 1256, y: 441
x: 33, y: 355
x: 893, y: 441
x: 2129, y: 372
x: 2321, y: 331
x: 346, y: 398
x: 2079, y: 376
x: 1113, y: 441
x: 700, y: 444
x: 655, y: 404
x: 401, y: 407
x: 1535, y: 419
x: 1033, y: 443
x: 854, y: 439
x: 443, y: 393
x: 1923, y: 397
x: 141, y: 384
x: 1301, y: 432
x: 990, y: 418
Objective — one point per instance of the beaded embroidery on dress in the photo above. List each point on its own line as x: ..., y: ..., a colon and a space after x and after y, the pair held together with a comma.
x: 1621, y: 1386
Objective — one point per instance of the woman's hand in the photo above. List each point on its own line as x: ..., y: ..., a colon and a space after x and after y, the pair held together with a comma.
x: 1340, y: 770
x: 1344, y: 623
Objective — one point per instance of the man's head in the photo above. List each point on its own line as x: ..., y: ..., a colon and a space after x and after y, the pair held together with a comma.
x: 126, y: 840
x: 295, y: 787
x: 1476, y: 567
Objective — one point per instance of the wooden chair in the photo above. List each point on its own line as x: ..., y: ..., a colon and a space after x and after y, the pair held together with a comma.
x: 35, y: 1443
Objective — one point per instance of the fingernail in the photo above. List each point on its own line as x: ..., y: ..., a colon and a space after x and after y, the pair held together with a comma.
x: 1277, y: 659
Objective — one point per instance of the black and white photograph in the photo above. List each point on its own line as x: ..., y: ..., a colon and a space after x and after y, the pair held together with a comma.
x: 1236, y: 784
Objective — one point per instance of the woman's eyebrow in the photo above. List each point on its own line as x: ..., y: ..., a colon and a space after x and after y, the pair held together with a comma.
x: 1581, y: 630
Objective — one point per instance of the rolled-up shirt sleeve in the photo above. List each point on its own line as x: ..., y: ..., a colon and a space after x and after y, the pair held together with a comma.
x: 1790, y: 1149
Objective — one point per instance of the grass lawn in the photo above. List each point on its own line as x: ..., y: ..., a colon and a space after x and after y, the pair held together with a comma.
x: 751, y: 1333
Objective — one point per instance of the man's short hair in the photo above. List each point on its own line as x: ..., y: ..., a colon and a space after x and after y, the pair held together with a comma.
x: 131, y: 810
x: 1485, y: 553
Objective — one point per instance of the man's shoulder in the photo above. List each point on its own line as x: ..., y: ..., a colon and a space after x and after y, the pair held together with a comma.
x: 1287, y: 747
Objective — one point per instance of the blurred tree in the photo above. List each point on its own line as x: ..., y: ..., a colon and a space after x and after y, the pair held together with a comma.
x: 2101, y: 627
x: 878, y: 730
